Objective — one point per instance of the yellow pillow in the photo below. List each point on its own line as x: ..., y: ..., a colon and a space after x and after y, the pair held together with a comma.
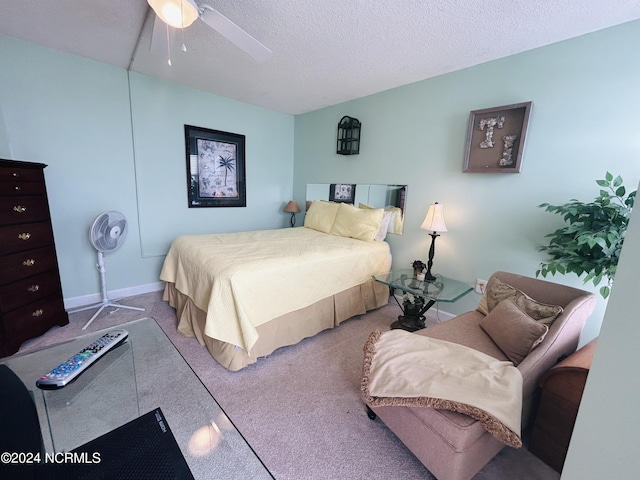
x: 353, y: 222
x: 321, y: 216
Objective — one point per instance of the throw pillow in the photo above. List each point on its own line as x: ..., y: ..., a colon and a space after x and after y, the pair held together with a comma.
x: 515, y: 332
x: 498, y: 291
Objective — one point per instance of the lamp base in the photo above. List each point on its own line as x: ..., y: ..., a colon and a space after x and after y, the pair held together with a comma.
x: 293, y: 220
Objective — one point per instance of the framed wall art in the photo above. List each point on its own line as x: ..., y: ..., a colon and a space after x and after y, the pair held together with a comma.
x: 496, y: 138
x: 342, y: 192
x: 215, y: 168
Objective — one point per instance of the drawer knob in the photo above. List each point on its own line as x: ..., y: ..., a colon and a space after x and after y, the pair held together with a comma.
x: 29, y: 262
x: 16, y: 174
x: 24, y: 236
x: 17, y: 187
x: 19, y: 209
x: 37, y: 313
x: 34, y: 288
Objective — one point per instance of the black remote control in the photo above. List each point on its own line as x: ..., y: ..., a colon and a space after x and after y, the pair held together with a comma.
x: 68, y: 371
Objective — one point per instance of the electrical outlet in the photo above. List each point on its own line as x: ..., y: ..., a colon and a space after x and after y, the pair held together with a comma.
x: 481, y: 285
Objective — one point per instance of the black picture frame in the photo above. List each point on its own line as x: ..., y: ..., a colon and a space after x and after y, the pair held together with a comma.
x: 496, y: 138
x: 215, y: 168
x: 342, y: 192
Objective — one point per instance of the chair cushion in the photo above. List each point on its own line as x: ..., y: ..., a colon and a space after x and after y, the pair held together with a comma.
x: 465, y: 330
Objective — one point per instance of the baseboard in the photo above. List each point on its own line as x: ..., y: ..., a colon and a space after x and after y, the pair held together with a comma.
x: 75, y: 302
x: 434, y: 313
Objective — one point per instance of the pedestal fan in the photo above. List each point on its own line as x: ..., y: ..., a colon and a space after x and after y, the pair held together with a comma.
x: 107, y: 234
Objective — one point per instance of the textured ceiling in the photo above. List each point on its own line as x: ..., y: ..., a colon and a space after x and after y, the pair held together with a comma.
x: 324, y: 51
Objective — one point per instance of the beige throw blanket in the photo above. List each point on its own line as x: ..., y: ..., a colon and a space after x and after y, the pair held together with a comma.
x: 405, y: 369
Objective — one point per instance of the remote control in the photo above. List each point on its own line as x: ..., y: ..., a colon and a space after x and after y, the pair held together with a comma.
x: 68, y: 371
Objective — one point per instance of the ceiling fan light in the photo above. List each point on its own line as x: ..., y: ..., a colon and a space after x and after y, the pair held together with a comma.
x: 176, y: 13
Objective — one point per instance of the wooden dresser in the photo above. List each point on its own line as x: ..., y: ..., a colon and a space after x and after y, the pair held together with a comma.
x: 562, y: 388
x: 30, y: 291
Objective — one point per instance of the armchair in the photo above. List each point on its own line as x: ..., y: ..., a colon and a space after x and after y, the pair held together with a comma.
x: 454, y: 446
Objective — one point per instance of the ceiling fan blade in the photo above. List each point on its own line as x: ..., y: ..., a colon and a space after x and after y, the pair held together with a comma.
x: 234, y: 33
x: 161, y: 37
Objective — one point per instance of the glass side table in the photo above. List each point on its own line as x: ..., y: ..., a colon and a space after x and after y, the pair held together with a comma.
x: 420, y: 296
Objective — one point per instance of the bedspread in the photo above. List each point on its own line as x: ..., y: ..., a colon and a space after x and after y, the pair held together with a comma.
x: 404, y: 369
x: 245, y: 279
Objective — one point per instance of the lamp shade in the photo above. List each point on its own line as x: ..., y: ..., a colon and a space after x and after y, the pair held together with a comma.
x: 292, y: 207
x: 176, y: 13
x: 434, y: 221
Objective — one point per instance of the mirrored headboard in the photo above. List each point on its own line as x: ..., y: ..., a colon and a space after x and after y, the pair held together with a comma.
x: 377, y: 196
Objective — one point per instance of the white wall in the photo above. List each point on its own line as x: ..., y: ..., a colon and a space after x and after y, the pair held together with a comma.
x: 115, y: 141
x: 584, y: 122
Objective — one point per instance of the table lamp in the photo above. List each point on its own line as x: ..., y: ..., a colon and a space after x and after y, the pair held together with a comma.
x: 292, y: 208
x: 434, y: 221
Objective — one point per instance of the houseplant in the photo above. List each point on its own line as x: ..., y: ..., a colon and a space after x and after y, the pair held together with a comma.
x: 591, y: 242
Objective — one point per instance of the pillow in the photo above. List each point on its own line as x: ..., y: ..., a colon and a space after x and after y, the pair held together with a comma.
x: 515, y: 332
x: 321, y: 216
x: 353, y: 222
x: 497, y: 291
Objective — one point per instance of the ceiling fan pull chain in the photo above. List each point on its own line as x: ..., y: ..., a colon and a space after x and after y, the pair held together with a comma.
x: 168, y: 47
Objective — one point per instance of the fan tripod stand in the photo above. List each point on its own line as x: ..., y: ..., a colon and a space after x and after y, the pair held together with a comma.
x: 105, y: 298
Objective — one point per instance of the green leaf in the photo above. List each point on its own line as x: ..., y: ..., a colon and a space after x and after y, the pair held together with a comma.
x: 603, y: 183
x: 617, y: 181
x: 608, y: 177
x: 605, y: 291
x: 620, y: 191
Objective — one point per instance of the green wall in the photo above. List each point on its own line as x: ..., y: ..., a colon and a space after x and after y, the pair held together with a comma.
x: 584, y: 122
x: 115, y: 141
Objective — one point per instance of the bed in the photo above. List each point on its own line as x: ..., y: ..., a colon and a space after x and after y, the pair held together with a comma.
x: 246, y: 294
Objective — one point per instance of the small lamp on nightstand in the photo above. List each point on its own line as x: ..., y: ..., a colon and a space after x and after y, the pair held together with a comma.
x: 434, y: 221
x: 292, y: 208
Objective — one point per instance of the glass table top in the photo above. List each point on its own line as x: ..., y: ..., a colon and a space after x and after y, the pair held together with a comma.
x: 442, y: 289
x: 145, y: 373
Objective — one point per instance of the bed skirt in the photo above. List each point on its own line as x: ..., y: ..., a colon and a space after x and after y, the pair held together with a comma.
x: 287, y: 329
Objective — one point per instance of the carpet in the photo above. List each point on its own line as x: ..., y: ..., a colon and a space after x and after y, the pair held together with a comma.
x: 300, y: 407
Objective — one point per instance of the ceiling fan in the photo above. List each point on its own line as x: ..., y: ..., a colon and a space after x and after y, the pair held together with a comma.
x: 182, y: 13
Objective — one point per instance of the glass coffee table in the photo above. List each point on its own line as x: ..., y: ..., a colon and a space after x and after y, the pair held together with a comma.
x: 137, y: 377
x: 419, y: 296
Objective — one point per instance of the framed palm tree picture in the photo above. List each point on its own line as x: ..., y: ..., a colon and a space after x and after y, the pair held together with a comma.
x: 215, y: 168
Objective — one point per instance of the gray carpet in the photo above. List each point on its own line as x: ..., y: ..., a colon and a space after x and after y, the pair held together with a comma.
x: 300, y: 408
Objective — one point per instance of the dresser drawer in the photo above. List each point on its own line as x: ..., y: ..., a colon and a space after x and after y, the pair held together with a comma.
x: 23, y: 292
x: 42, y: 312
x: 13, y: 176
x: 23, y: 210
x: 17, y: 238
x: 20, y: 189
x: 25, y: 264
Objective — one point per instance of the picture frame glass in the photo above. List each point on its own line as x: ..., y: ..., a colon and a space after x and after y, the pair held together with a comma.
x: 215, y: 168
x: 496, y: 139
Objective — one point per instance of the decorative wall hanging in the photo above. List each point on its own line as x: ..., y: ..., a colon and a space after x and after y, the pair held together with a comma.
x: 495, y: 140
x: 342, y: 192
x: 215, y: 168
x: 348, y: 136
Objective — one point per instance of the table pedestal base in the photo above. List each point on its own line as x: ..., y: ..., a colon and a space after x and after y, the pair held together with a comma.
x: 408, y: 323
